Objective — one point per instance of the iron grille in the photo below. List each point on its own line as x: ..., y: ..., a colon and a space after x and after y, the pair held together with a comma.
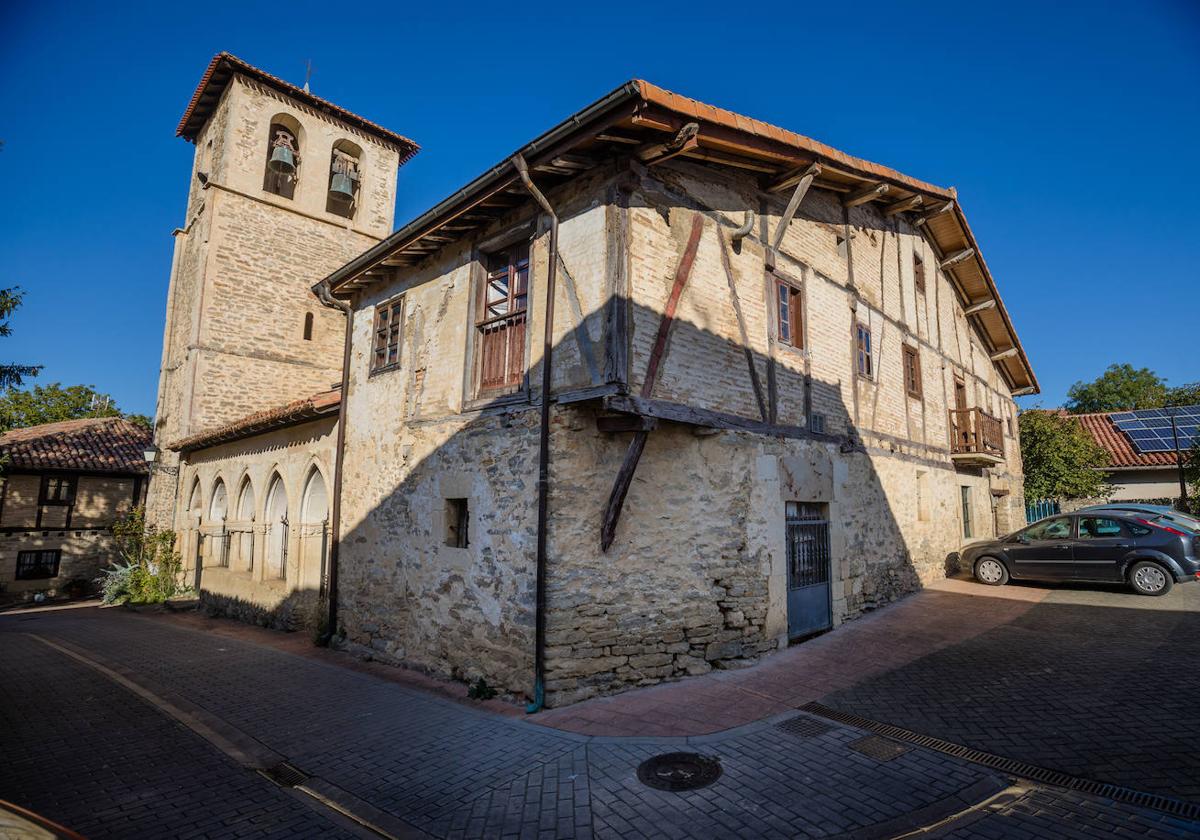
x: 807, y: 545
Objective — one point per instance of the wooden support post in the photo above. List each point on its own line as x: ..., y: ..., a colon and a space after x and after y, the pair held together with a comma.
x: 616, y: 498
x: 1003, y: 354
x: 791, y: 178
x: 801, y: 190
x: 957, y: 257
x: 868, y: 193
x: 976, y: 308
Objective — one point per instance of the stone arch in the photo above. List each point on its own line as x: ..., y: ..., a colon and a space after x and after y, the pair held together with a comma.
x: 275, y: 516
x: 314, y: 530
x: 285, y: 143
x: 244, y: 518
x: 345, y: 178
x: 218, y: 513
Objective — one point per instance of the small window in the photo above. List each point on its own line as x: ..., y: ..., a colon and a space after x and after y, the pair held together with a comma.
x: 817, y: 424
x: 308, y: 326
x: 912, y: 371
x: 968, y: 532
x: 918, y: 273
x: 864, y: 360
x: 38, y: 565
x: 501, y: 311
x: 457, y: 523
x: 790, y: 311
x: 1097, y: 528
x: 57, y: 490
x: 389, y: 323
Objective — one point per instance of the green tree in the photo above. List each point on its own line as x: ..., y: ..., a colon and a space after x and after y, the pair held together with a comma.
x: 1119, y: 388
x: 12, y: 375
x: 1062, y: 461
x: 54, y: 402
x: 1184, y: 395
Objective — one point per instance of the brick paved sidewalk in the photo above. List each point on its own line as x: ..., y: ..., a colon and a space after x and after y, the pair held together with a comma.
x: 455, y: 771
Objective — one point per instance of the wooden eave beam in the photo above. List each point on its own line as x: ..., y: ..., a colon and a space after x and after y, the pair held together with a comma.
x: 983, y: 305
x: 904, y: 205
x: 710, y: 156
x: 789, y: 179
x: 946, y: 207
x: 685, y: 140
x: 957, y: 257
x: 867, y: 193
x: 1007, y: 353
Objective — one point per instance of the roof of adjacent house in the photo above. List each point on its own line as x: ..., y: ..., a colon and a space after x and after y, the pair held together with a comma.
x: 94, y: 444
x: 299, y: 411
x: 222, y: 68
x: 1120, y: 449
x: 643, y: 117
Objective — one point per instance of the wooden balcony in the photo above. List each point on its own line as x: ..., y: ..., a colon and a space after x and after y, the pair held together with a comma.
x: 976, y: 438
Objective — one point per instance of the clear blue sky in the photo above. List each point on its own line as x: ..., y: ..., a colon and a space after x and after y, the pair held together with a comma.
x: 1070, y: 131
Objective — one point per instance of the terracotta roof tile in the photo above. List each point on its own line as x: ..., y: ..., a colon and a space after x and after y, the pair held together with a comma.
x: 217, y: 76
x: 299, y: 411
x: 1121, y: 451
x: 94, y: 444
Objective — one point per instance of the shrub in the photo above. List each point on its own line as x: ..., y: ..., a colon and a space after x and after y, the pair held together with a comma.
x: 480, y: 690
x: 151, y: 567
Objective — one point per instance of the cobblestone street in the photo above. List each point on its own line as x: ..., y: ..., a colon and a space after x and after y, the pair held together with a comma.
x: 99, y: 751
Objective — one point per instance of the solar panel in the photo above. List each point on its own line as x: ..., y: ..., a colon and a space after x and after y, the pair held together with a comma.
x: 1150, y: 430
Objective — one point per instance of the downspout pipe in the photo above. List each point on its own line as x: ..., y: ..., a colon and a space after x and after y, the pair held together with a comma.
x: 335, y: 529
x: 543, y: 502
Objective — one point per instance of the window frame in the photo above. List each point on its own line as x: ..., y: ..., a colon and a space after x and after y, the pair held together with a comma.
x: 918, y: 264
x: 518, y: 372
x: 70, y: 481
x: 910, y: 357
x: 795, y: 303
x: 56, y: 553
x: 864, y: 354
x: 392, y: 334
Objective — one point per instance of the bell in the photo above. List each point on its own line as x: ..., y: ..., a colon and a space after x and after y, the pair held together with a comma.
x: 341, y: 187
x: 282, y: 160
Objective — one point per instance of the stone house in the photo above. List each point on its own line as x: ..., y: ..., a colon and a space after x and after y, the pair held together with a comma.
x: 663, y: 391
x: 63, y: 486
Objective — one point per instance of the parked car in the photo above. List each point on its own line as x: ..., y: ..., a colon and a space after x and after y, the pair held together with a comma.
x: 1161, y: 510
x: 1146, y: 550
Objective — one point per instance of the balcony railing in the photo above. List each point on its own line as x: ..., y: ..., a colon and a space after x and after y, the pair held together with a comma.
x: 975, y: 432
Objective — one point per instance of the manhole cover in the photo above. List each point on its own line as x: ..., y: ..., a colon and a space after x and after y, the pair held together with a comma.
x: 679, y: 771
x: 879, y: 748
x: 285, y: 775
x: 804, y: 726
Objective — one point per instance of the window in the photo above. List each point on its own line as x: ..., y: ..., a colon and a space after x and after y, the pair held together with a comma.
x: 308, y: 325
x: 1058, y: 528
x: 389, y: 323
x: 38, y: 565
x: 791, y: 314
x: 501, y: 312
x: 1095, y: 528
x: 283, y: 157
x: 342, y: 196
x: 57, y: 490
x: 862, y: 342
x: 912, y: 371
x: 966, y: 512
x: 457, y: 523
x: 918, y: 273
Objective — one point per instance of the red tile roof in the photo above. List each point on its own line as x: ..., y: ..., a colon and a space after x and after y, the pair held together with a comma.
x: 300, y: 411
x: 1121, y: 451
x: 221, y: 69
x: 94, y: 444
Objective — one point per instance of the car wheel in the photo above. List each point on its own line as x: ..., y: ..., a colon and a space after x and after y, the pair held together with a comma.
x: 1150, y: 579
x: 991, y: 571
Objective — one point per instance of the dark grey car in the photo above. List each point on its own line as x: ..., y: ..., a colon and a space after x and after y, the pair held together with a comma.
x: 1148, y: 552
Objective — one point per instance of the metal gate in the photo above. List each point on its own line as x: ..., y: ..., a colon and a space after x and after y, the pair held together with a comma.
x: 810, y: 609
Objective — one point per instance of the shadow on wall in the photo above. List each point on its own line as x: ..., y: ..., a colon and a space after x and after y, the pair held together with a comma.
x: 718, y: 531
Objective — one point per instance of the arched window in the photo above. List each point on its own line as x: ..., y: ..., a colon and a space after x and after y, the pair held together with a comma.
x: 195, y: 511
x: 308, y: 325
x: 283, y: 156
x: 277, y: 524
x: 344, y: 177
x: 218, y: 507
x: 314, y: 513
x: 245, y: 525
x: 195, y: 503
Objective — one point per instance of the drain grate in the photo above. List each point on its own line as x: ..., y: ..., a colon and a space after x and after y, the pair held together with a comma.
x: 803, y: 726
x: 879, y: 748
x: 1118, y: 793
x: 286, y: 775
x: 679, y: 771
